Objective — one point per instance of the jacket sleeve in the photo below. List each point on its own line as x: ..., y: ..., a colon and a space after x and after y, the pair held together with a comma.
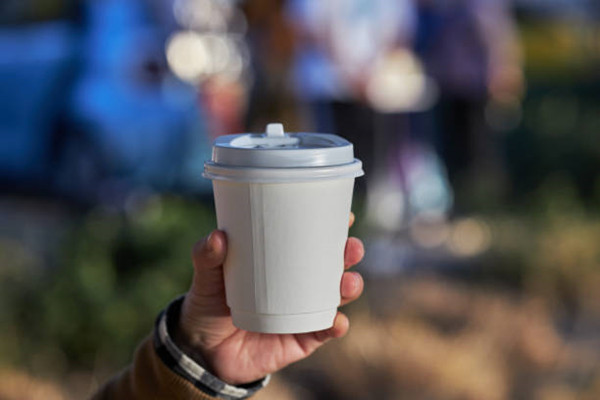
x: 160, y: 370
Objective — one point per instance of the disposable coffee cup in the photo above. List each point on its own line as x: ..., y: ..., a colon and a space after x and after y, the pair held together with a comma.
x: 284, y: 202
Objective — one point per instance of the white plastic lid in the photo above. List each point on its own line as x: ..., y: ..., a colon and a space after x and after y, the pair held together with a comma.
x: 275, y: 156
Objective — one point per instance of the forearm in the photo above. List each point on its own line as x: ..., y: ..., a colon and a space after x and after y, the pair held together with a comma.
x: 149, y: 378
x: 160, y: 370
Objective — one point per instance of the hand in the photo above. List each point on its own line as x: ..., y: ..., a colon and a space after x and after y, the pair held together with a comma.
x: 237, y: 356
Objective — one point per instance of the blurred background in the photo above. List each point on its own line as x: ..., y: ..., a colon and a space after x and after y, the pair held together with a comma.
x: 478, y: 122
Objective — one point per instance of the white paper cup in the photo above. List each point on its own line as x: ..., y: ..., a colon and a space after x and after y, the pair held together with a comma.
x: 286, y: 231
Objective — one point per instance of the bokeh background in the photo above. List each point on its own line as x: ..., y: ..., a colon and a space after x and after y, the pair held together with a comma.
x: 479, y: 125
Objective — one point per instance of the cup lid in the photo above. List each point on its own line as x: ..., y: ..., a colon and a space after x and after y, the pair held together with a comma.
x: 277, y: 149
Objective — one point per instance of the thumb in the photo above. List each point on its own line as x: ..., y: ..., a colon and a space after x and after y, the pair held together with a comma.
x: 206, y: 297
x: 208, y: 257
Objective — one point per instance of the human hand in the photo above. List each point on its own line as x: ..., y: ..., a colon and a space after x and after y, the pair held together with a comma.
x: 232, y: 354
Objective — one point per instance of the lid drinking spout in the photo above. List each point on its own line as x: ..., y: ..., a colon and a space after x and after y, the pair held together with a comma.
x: 275, y: 130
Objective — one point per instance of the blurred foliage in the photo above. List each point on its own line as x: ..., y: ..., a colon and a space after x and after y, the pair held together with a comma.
x: 27, y: 11
x: 117, y: 271
x: 558, y: 136
x: 572, y: 55
x: 556, y: 246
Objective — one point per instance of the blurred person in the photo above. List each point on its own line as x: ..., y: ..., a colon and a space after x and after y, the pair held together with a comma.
x: 96, y: 114
x: 471, y: 49
x: 197, y: 353
x: 208, y: 50
x: 271, y: 42
x: 132, y: 122
x: 338, y: 45
x: 409, y: 180
x: 224, y: 101
x: 356, y: 70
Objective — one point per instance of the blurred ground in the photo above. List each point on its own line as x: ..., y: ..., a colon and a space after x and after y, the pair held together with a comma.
x: 522, y: 325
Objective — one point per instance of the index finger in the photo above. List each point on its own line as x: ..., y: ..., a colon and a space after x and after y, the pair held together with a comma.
x: 352, y: 218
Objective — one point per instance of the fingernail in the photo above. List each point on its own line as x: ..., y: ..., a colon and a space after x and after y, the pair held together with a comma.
x: 210, y: 242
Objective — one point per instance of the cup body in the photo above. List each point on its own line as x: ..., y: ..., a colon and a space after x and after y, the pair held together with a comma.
x: 285, y: 251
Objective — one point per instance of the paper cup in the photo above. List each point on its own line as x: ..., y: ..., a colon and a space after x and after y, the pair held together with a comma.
x: 286, y: 231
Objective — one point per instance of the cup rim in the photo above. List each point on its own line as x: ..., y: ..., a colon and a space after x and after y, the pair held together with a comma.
x: 221, y: 172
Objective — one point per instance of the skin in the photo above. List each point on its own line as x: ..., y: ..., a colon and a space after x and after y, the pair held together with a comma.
x: 236, y: 356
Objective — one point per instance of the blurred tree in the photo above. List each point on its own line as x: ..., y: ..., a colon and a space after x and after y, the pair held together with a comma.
x: 116, y: 273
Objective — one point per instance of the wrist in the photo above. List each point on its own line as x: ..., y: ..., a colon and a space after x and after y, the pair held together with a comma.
x: 185, y: 334
x: 185, y: 344
x: 183, y: 358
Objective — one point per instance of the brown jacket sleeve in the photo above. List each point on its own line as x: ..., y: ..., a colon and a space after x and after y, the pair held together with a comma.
x: 149, y: 378
x: 160, y: 370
